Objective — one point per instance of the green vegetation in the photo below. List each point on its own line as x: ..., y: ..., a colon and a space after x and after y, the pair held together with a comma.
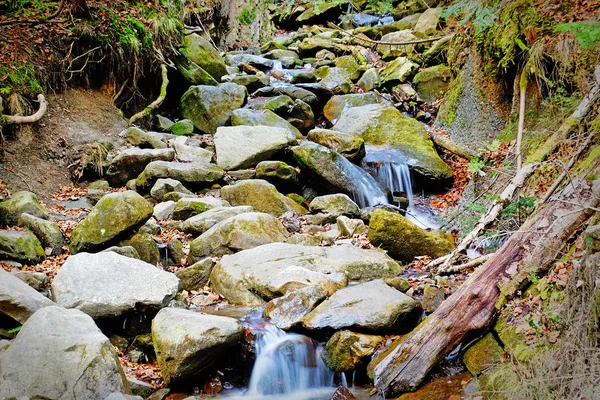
x: 587, y: 33
x: 19, y: 78
x: 247, y: 16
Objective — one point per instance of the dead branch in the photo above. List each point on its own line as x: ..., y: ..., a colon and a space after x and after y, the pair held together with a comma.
x: 418, y: 41
x: 29, y: 119
x: 37, y: 21
x: 457, y: 268
x: 452, y: 147
x: 156, y: 103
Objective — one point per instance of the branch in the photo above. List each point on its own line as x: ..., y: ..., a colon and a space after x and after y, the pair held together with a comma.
x: 156, y: 103
x: 17, y: 119
x: 38, y: 21
x: 457, y: 268
x: 451, y: 146
x: 418, y: 41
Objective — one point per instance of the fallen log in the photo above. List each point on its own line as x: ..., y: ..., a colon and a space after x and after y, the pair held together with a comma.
x: 473, y: 306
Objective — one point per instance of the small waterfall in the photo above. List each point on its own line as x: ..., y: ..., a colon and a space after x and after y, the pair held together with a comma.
x: 391, y: 171
x: 277, y: 65
x: 366, y: 192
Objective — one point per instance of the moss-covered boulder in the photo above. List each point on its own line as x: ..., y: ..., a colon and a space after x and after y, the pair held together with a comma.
x: 428, y: 22
x: 19, y: 203
x: 335, y: 205
x: 196, y: 275
x: 198, y: 224
x: 145, y: 246
x: 47, y: 232
x: 346, y: 350
x: 144, y: 140
x: 350, y: 146
x: 201, y: 52
x: 337, y: 104
x: 350, y: 67
x: 189, y: 174
x: 131, y: 162
x: 21, y: 246
x: 483, y: 355
x: 261, y: 196
x: 311, y: 45
x: 249, y: 117
x: 114, y: 215
x: 209, y: 107
x: 182, y: 128
x: 187, y: 208
x: 431, y: 83
x: 251, y: 82
x: 398, y: 71
x: 403, y: 239
x: 280, y: 174
x: 335, y: 79
x: 193, y: 73
x: 390, y: 51
x: 385, y: 127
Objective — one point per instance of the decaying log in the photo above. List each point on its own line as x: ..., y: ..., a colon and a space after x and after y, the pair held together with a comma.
x: 452, y: 147
x: 29, y: 119
x: 473, y: 306
x: 156, y: 103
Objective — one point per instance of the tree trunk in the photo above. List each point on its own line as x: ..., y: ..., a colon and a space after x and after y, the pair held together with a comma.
x: 473, y: 306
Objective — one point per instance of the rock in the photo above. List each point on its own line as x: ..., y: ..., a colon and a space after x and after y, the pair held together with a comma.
x: 311, y: 45
x: 167, y: 185
x: 140, y: 388
x: 390, y: 51
x: 350, y: 146
x: 209, y: 107
x: 188, y: 343
x: 127, y: 251
x: 431, y: 83
x: 47, y: 232
x: 145, y: 246
x: 164, y: 210
x: 94, y: 196
x: 111, y: 285
x: 193, y: 73
x: 257, y: 62
x: 278, y: 104
x: 350, y: 227
x: 131, y: 162
x: 163, y: 123
x: 251, y: 82
x: 254, y: 118
x: 294, y: 92
x: 175, y: 252
x: 35, y: 280
x: 346, y: 350
x: 283, y: 176
x: 19, y: 203
x: 287, y: 311
x: 369, y: 80
x: 349, y: 308
x: 189, y: 174
x: 114, y: 215
x: 301, y: 116
x: 187, y: 208
x: 385, y: 127
x: 17, y: 299
x: 196, y: 276
x: 403, y: 239
x: 242, y: 174
x: 192, y: 154
x: 398, y: 71
x: 398, y: 283
x: 121, y: 396
x: 432, y: 298
x: 261, y: 196
x: 428, y: 22
x: 304, y: 77
x: 278, y: 54
x: 484, y: 354
x: 250, y: 276
x: 350, y: 67
x: 198, y: 224
x: 334, y: 205
x: 21, y: 246
x: 182, y: 128
x: 240, y: 232
x: 145, y: 140
x: 342, y: 393
x: 337, y: 104
x: 60, y: 354
x: 245, y: 146
x: 201, y: 52
x: 335, y: 79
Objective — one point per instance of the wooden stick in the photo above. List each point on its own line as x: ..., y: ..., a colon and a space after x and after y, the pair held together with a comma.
x: 457, y: 268
x: 156, y: 103
x: 29, y: 119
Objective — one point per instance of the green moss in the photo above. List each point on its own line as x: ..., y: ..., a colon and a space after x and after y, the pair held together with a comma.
x: 19, y: 78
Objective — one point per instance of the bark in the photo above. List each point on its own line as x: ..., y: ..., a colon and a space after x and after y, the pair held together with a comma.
x: 473, y: 306
x: 523, y: 91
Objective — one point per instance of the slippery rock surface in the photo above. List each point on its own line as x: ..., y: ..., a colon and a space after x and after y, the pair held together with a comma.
x: 188, y: 343
x: 198, y: 224
x: 131, y: 162
x: 266, y: 271
x: 189, y: 174
x: 17, y: 299
x: 110, y: 285
x: 346, y: 350
x: 60, y: 354
x: 261, y: 196
x: 47, y: 232
x: 350, y: 146
x: 19, y: 203
x: 287, y: 311
x: 21, y: 246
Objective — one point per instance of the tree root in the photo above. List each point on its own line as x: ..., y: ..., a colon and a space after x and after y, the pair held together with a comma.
x: 156, y: 103
x: 29, y: 119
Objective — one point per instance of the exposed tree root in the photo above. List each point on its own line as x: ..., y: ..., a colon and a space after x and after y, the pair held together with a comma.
x: 156, y: 103
x: 29, y: 119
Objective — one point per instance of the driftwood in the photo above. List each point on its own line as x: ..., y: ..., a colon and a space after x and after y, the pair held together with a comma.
x: 452, y: 147
x: 29, y: 119
x: 472, y: 307
x: 156, y: 103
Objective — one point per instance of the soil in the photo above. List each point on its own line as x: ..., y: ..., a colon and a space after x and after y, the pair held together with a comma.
x: 37, y: 156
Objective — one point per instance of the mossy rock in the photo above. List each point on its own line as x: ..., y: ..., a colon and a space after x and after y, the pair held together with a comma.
x: 280, y: 174
x: 369, y: 80
x: 350, y: 66
x: 249, y: 117
x: 21, y: 246
x: 338, y: 104
x: 193, y: 73
x: 499, y: 381
x: 145, y: 246
x: 346, y: 350
x: 47, y: 232
x: 431, y: 83
x: 483, y: 355
x: 19, y: 203
x: 389, y: 51
x: 201, y: 52
x: 182, y: 128
x: 195, y: 276
x: 335, y: 79
x: 350, y: 146
x: 262, y: 196
x: 516, y: 344
x: 398, y: 71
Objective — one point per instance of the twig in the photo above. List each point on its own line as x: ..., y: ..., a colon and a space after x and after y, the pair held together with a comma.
x: 156, y: 103
x: 17, y: 119
x: 452, y: 147
x: 457, y: 268
x: 418, y: 41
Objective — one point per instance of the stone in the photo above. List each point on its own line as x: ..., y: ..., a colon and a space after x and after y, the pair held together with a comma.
x: 432, y: 298
x: 47, y: 232
x: 304, y: 77
x: 431, y: 83
x: 240, y: 147
x: 163, y: 123
x: 176, y: 252
x: 311, y: 45
x: 193, y: 73
x: 167, y: 185
x: 121, y: 396
x: 342, y: 393
x: 350, y: 67
x: 428, y: 22
x: 255, y: 61
x: 192, y: 154
x: 189, y: 174
x: 187, y: 208
x: 198, y: 224
x: 347, y: 350
x: 398, y: 283
x: 251, y: 82
x: 140, y: 388
x: 254, y: 118
x: 17, y: 299
x: 127, y: 251
x: 209, y: 107
x: 264, y: 272
x: 114, y: 215
x: 142, y: 139
x: 301, y: 116
x: 350, y: 227
x: 280, y: 174
x: 369, y: 80
x: 278, y: 54
x: 60, y: 354
x: 403, y: 239
x: 19, y: 203
x: 201, y: 52
x: 348, y: 308
x: 389, y: 51
x: 261, y: 196
x: 21, y: 246
x: 182, y: 128
x: 350, y: 146
x: 292, y: 91
x: 338, y: 104
x: 287, y: 311
x: 36, y: 280
x: 325, y: 55
x: 305, y: 239
x: 131, y: 162
x: 398, y: 71
x: 240, y: 232
x: 188, y: 343
x: 196, y: 276
x: 335, y: 205
x: 164, y: 210
x: 334, y: 79
x: 108, y: 284
x: 484, y: 354
x: 145, y: 246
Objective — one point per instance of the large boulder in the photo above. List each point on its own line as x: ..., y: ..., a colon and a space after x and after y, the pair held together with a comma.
x: 60, y: 354
x: 338, y: 104
x: 398, y: 71
x: 261, y: 196
x: 19, y: 203
x: 111, y: 285
x: 346, y: 350
x: 385, y: 127
x: 114, y: 215
x: 428, y: 22
x: 209, y: 107
x: 201, y: 52
x: 240, y: 147
x: 264, y: 272
x: 253, y: 60
x: 403, y: 239
x: 145, y: 140
x: 188, y: 207
x: 248, y: 117
x: 188, y: 343
x: 240, y: 232
x: 47, y: 232
x: 21, y: 246
x: 18, y: 300
x: 335, y: 79
x: 192, y: 154
x: 280, y: 174
x: 335, y: 205
x: 372, y: 306
x: 287, y: 311
x: 131, y: 162
x: 193, y: 73
x: 350, y: 146
x: 294, y: 92
x: 198, y: 224
x: 189, y: 174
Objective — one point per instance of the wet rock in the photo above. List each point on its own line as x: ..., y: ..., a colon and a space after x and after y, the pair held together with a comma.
x: 240, y: 232
x: 196, y: 275
x: 334, y: 205
x: 257, y: 62
x: 140, y: 388
x: 250, y: 276
x: 369, y: 80
x: 192, y: 154
x: 188, y: 343
x: 350, y: 67
x: 209, y: 107
x: 19, y: 203
x: 36, y: 280
x: 261, y: 196
x: 280, y: 174
x: 350, y: 227
x: 287, y: 311
x: 343, y: 393
x: 163, y: 123
x: 47, y: 232
x: 334, y: 79
x: 146, y: 247
x: 182, y: 128
x: 350, y: 146
x: 251, y: 82
x: 17, y: 299
x: 164, y: 210
x: 114, y: 215
x: 278, y: 54
x: 389, y: 51
x: 304, y: 77
x: 337, y: 104
x: 22, y: 246
x: 432, y: 298
x: 484, y: 354
x: 189, y: 174
x: 175, y: 252
x: 167, y: 185
x: 349, y: 308
x: 245, y: 146
x: 142, y: 139
x: 60, y: 354
x: 131, y: 162
x: 398, y: 71
x: 346, y: 350
x: 256, y: 118
x: 398, y: 283
x: 312, y: 45
x: 198, y: 224
x: 431, y: 83
x: 187, y: 208
x: 201, y: 52
x: 428, y: 22
x: 110, y: 285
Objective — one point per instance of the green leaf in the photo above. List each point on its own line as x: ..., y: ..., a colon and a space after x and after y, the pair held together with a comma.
x: 15, y: 330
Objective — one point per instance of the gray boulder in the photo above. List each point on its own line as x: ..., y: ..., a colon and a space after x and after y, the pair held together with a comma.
x: 196, y: 275
x: 261, y: 196
x: 189, y: 174
x: 258, y: 62
x: 186, y: 208
x: 36, y: 280
x: 17, y: 299
x: 200, y: 51
x: 164, y: 210
x: 248, y: 117
x: 280, y: 174
x: 167, y: 185
x: 192, y: 154
x: 338, y: 104
x: 131, y: 162
x: 346, y: 350
x: 145, y: 140
x: 335, y: 205
x: 198, y: 224
x: 389, y: 51
x: 21, y: 246
x: 287, y: 311
x: 19, y: 203
x: 47, y: 232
